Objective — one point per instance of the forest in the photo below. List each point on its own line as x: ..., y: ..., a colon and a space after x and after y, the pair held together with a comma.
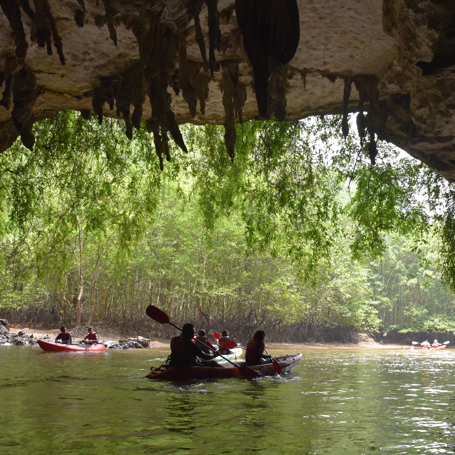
x: 300, y: 234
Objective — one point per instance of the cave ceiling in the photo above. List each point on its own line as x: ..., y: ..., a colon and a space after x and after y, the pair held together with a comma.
x: 168, y: 62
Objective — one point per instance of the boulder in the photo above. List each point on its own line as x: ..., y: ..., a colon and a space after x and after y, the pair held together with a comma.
x: 5, y: 323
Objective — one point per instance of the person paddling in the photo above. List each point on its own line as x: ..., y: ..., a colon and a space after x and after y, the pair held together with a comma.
x: 224, y: 338
x: 64, y: 336
x: 255, y: 350
x: 185, y: 353
x: 201, y: 336
x: 436, y: 344
x: 91, y: 338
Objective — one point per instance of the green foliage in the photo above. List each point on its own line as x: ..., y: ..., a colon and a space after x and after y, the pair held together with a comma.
x: 283, y: 233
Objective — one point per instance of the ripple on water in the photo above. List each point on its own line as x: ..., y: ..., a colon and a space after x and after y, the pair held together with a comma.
x: 347, y: 402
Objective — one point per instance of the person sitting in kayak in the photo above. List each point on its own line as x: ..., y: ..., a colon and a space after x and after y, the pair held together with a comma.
x: 64, y: 336
x: 91, y: 338
x: 185, y: 353
x: 426, y: 344
x: 224, y: 338
x: 201, y: 336
x: 255, y: 350
x: 436, y: 344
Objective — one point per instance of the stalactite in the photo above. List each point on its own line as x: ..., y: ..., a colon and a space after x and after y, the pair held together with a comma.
x: 361, y: 127
x: 234, y: 97
x: 188, y: 91
x: 13, y: 14
x: 367, y: 87
x: 271, y: 31
x: 25, y: 93
x: 278, y: 80
x: 123, y: 89
x: 25, y: 5
x: 214, y: 32
x: 45, y: 28
x: 346, y: 96
x: 200, y: 82
x: 79, y: 17
x: 10, y: 68
x: 158, y: 47
x: 110, y: 13
x: 200, y: 41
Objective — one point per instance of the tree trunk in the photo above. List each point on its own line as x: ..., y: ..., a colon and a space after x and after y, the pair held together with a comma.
x: 92, y: 310
x: 81, y: 281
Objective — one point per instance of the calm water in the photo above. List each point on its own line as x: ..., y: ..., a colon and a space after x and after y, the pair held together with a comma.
x: 335, y: 402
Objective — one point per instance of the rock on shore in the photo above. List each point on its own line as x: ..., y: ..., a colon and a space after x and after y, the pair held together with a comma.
x: 22, y: 339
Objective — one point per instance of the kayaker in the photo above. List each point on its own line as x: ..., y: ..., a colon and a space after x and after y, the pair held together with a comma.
x: 255, y: 349
x: 184, y: 352
x: 64, y: 336
x: 91, y: 338
x: 201, y: 336
x: 436, y: 344
x: 223, y: 339
x: 426, y: 344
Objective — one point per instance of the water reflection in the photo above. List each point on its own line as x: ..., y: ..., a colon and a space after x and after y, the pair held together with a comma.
x: 351, y: 402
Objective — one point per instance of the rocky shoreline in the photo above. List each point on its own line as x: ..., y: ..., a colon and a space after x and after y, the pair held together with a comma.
x: 22, y: 338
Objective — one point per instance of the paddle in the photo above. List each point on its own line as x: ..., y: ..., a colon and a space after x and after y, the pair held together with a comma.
x: 161, y: 317
x: 230, y: 344
x: 275, y: 362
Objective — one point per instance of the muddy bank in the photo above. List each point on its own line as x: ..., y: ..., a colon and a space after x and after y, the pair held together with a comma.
x: 115, y: 334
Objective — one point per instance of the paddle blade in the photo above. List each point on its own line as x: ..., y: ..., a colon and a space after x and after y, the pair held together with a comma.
x: 157, y: 314
x: 230, y: 344
x: 415, y: 342
x: 277, y: 366
x: 248, y: 373
x: 446, y: 342
x: 216, y: 335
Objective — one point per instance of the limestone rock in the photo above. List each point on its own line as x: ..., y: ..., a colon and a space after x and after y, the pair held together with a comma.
x: 167, y: 62
x: 4, y: 323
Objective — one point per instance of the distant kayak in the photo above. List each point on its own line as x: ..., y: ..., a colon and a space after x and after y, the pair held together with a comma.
x: 60, y: 347
x: 235, y: 353
x: 431, y: 348
x: 225, y: 370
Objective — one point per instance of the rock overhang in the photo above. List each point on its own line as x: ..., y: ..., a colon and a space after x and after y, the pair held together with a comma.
x: 169, y: 62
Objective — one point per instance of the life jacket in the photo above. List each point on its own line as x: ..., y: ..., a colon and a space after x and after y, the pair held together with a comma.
x: 180, y: 355
x: 92, y: 336
x: 254, y: 351
x: 65, y: 336
x: 206, y: 342
x: 223, y: 340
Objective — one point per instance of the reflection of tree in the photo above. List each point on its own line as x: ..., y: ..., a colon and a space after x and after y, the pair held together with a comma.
x: 181, y: 408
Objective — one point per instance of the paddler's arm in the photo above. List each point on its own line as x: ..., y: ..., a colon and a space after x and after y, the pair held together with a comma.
x: 201, y: 354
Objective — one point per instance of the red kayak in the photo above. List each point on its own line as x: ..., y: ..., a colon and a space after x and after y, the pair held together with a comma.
x: 226, y: 370
x: 60, y: 347
x: 431, y: 348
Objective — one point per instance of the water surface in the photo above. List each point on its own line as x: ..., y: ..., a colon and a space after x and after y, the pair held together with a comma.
x: 334, y: 402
